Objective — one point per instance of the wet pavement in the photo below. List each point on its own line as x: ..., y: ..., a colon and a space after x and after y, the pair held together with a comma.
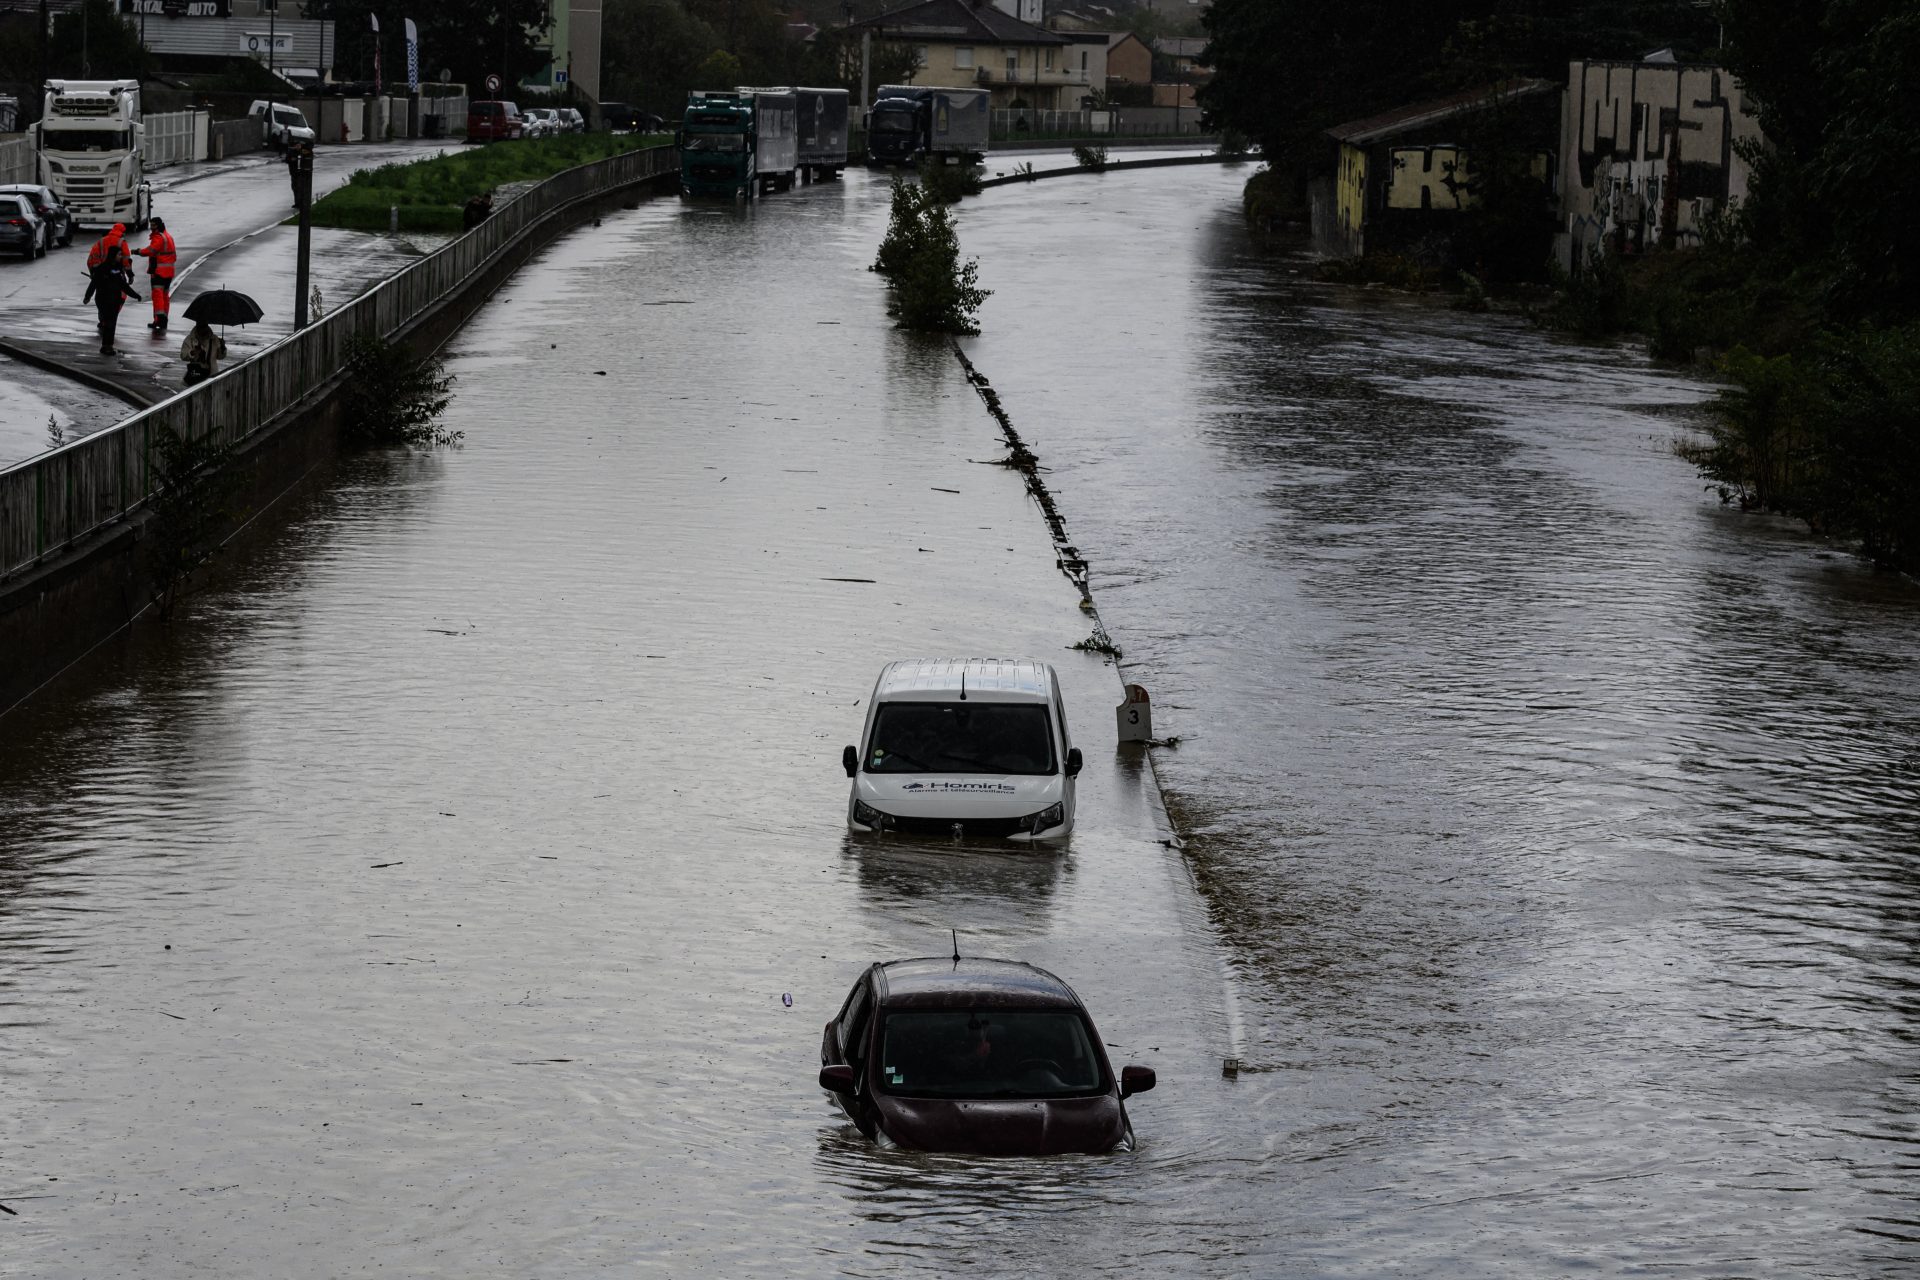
x: 223, y: 217
x: 423, y: 901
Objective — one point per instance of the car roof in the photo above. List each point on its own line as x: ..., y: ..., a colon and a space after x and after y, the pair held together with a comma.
x: 947, y: 679
x: 941, y: 982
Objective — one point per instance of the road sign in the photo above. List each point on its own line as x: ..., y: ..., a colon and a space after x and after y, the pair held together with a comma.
x: 493, y: 84
x: 1134, y: 717
x: 559, y: 77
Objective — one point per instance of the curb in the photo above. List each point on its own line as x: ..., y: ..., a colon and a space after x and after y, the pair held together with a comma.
x: 85, y: 377
x: 1113, y: 166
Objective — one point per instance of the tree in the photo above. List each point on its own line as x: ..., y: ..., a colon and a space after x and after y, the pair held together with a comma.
x: 719, y: 70
x: 95, y: 43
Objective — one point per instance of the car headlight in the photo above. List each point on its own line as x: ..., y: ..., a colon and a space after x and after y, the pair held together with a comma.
x: 1051, y: 816
x: 868, y: 816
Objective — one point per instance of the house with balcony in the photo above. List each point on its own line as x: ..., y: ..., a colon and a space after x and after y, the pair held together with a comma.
x: 965, y: 45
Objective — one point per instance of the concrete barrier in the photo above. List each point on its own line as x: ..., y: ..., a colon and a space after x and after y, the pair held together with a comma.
x: 70, y: 519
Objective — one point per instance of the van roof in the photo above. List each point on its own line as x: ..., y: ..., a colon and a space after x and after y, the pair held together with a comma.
x: 944, y: 679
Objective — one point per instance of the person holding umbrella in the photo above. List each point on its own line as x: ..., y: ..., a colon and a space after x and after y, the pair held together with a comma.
x: 110, y: 282
x: 203, y: 350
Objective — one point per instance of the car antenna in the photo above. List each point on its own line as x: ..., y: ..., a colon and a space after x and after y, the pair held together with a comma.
x: 956, y: 947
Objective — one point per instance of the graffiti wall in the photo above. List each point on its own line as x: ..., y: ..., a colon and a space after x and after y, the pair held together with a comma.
x: 1648, y: 154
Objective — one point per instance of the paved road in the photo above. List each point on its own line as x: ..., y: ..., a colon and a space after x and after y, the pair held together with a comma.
x: 223, y: 216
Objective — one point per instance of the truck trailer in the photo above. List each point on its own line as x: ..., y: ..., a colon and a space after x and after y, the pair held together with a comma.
x: 90, y: 148
x: 739, y: 143
x: 822, y: 127
x: 909, y: 123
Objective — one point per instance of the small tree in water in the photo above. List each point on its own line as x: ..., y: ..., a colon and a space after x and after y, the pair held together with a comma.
x: 393, y: 396
x: 932, y: 290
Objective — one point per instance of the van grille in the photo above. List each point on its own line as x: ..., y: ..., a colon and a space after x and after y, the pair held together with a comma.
x: 990, y: 828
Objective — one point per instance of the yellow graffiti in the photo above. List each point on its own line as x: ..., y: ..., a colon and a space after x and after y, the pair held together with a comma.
x: 1350, y: 191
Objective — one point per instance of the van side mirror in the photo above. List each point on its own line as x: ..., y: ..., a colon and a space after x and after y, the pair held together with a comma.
x: 1073, y: 762
x: 850, y: 760
x: 838, y: 1078
x: 1132, y: 1079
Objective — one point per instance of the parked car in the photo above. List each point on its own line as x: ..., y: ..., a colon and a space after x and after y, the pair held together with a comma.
x: 21, y: 230
x: 572, y: 121
x: 617, y: 116
x: 964, y: 747
x: 989, y: 1057
x: 541, y: 122
x: 289, y: 124
x: 494, y: 121
x: 58, y: 218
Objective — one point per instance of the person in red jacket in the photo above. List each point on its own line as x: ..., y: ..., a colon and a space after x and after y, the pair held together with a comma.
x: 160, y: 255
x: 110, y: 281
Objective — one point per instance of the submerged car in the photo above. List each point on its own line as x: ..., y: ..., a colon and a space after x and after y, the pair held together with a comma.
x: 964, y: 747
x: 987, y: 1057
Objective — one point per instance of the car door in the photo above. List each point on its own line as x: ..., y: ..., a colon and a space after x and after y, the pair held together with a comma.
x: 850, y: 1037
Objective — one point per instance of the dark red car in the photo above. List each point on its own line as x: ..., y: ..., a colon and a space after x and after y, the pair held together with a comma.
x: 992, y: 1057
x: 494, y: 121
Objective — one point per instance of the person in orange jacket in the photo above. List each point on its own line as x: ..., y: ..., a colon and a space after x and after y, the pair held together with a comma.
x: 110, y: 281
x: 160, y: 255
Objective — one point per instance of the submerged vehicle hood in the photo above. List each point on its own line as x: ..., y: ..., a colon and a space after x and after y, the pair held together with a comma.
x: 959, y: 795
x: 1005, y: 1127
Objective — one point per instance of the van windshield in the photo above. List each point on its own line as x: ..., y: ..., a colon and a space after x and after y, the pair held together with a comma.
x: 961, y: 737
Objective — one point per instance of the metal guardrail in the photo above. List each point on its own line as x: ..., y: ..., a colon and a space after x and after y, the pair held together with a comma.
x: 50, y: 501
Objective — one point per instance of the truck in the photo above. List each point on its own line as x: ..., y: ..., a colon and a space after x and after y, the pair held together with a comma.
x: 739, y: 143
x: 822, y: 129
x: 909, y: 123
x: 90, y: 148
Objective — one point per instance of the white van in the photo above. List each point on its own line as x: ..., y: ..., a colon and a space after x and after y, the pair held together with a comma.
x: 288, y: 125
x: 964, y: 746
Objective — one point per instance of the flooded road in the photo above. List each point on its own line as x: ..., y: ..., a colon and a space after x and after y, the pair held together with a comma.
x: 425, y: 899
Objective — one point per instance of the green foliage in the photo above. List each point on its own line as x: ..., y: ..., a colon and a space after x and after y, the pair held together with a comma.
x: 930, y: 289
x: 95, y: 43
x: 1090, y: 157
x: 393, y: 397
x: 1233, y: 142
x: 192, y: 506
x: 431, y: 193
x: 947, y: 183
x: 719, y: 70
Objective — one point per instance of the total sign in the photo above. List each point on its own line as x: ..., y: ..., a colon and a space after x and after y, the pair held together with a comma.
x: 262, y: 41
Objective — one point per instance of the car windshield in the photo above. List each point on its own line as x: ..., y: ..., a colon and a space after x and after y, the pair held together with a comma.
x: 987, y: 1053
x: 960, y: 737
x: 895, y: 121
x: 87, y: 139
x: 716, y: 141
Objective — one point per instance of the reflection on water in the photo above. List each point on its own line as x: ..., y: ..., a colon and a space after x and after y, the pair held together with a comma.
x: 1563, y: 823
x: 444, y: 869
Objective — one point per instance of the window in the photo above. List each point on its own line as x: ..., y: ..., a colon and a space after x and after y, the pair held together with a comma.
x: 1083, y: 62
x: 1049, y: 59
x: 919, y: 55
x: 963, y: 57
x: 1013, y: 62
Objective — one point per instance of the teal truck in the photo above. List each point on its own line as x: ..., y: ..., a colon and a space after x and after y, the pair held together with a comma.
x: 738, y: 143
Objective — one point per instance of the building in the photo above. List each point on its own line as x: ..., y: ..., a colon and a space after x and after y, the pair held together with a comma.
x: 1178, y: 70
x: 571, y: 49
x: 205, y: 35
x: 1648, y: 153
x: 1129, y: 60
x: 1401, y: 177
x: 971, y: 44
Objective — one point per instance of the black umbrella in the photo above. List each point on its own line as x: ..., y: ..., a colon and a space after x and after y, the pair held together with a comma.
x: 224, y: 307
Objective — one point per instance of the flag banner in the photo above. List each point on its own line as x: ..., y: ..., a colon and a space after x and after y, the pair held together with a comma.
x: 413, y: 57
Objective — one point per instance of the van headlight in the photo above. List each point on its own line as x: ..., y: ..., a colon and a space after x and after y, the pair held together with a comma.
x: 1051, y: 816
x: 868, y: 816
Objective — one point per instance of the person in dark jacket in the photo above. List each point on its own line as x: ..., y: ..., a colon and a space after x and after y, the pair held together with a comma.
x: 478, y: 210
x: 110, y: 282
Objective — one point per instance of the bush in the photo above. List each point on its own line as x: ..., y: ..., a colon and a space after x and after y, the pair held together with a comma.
x: 1090, y: 157
x: 192, y: 505
x: 931, y: 289
x: 949, y: 182
x: 393, y: 397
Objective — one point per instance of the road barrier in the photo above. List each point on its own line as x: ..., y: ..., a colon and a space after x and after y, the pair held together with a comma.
x: 50, y: 502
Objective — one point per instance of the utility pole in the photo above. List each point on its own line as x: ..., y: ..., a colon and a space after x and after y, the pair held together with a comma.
x: 273, y: 90
x: 866, y: 65
x: 303, y: 192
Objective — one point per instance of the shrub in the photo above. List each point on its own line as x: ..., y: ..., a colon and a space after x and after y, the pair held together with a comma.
x: 393, y: 396
x: 1090, y: 157
x: 949, y: 182
x: 931, y: 289
x: 192, y: 505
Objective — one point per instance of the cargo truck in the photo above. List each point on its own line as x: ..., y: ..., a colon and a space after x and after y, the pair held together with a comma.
x: 90, y: 148
x: 739, y: 143
x: 822, y: 128
x: 909, y: 123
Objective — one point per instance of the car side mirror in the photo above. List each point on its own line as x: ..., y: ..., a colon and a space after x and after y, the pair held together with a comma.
x: 850, y: 761
x: 1132, y: 1080
x: 839, y: 1078
x: 1073, y: 762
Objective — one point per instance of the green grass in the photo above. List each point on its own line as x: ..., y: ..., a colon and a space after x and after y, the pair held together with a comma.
x: 430, y: 194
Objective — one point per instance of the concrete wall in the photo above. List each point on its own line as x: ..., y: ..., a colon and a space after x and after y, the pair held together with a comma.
x: 1648, y: 152
x: 16, y: 159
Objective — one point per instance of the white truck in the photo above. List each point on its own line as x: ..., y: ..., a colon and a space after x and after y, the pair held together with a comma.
x: 89, y: 146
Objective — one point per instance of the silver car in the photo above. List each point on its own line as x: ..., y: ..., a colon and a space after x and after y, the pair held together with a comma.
x: 22, y: 230
x: 59, y: 221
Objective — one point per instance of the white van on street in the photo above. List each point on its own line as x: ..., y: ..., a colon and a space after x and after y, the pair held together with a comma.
x: 964, y: 747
